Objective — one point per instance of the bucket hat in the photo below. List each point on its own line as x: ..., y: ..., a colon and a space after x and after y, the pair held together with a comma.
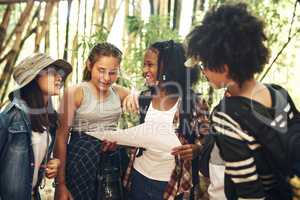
x: 31, y: 66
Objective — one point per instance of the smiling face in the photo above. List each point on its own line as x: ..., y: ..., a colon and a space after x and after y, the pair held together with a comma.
x: 150, y: 68
x: 104, y: 72
x: 50, y: 81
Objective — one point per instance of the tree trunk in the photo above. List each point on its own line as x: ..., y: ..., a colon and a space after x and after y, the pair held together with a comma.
x: 57, y: 31
x: 156, y: 7
x: 125, y: 29
x: 67, y: 31
x: 194, y: 11
x: 5, y: 77
x: 201, y: 5
x: 29, y: 27
x: 17, y: 1
x: 47, y: 41
x: 74, y: 58
x: 20, y: 25
x: 11, y: 58
x: 103, y: 14
x: 95, y: 16
x: 84, y: 33
x: 163, y: 7
x: 4, y: 24
x: 111, y: 13
x: 177, y: 12
x: 44, y: 24
x: 169, y: 12
x: 14, y: 59
x: 151, y: 2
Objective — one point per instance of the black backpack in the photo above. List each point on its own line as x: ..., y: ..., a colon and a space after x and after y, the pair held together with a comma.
x: 281, y: 131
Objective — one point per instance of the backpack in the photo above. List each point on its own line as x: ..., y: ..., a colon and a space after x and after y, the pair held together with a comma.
x: 281, y: 131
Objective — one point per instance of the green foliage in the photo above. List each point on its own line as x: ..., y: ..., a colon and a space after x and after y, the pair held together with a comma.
x: 86, y: 43
x: 134, y: 24
x: 143, y: 34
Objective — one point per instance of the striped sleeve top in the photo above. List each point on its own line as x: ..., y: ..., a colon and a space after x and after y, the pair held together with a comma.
x: 247, y: 173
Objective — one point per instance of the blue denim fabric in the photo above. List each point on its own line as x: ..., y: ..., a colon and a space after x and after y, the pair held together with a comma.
x: 17, y: 163
x: 143, y: 188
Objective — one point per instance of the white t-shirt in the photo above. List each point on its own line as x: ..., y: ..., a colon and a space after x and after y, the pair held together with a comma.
x: 216, y: 175
x: 155, y: 164
x: 39, y: 146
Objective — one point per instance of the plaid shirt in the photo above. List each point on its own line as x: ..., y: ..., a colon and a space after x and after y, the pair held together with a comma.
x: 181, y: 177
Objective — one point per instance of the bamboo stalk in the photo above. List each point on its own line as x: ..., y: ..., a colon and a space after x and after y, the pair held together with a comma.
x: 194, y: 11
x: 103, y: 13
x: 95, y: 16
x: 34, y: 17
x: 11, y: 58
x: 67, y: 31
x: 163, y: 8
x: 74, y: 57
x: 44, y: 24
x: 57, y: 30
x: 19, y: 26
x: 114, y: 15
x: 177, y: 13
x: 151, y: 2
x: 125, y: 29
x: 7, y: 81
x: 4, y: 24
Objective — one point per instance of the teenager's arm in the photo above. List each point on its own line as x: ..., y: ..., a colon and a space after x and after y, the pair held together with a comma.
x: 122, y: 91
x: 71, y: 101
x: 236, y: 148
x: 199, y: 126
x: 129, y: 99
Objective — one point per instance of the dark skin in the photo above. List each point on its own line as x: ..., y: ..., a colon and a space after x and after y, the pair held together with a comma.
x: 162, y: 101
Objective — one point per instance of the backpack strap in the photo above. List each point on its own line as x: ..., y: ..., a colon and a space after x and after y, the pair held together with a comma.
x: 145, y: 99
x: 260, y: 121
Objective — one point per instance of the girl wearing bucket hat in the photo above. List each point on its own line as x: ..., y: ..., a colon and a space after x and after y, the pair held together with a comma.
x: 27, y: 131
x: 92, y: 105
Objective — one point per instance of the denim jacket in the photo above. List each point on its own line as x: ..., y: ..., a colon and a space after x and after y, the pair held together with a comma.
x: 16, y: 154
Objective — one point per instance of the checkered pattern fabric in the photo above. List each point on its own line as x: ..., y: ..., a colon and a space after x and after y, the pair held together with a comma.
x: 83, y: 160
x: 181, y: 178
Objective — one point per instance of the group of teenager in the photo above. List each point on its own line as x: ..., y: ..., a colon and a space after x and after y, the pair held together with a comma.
x: 228, y: 48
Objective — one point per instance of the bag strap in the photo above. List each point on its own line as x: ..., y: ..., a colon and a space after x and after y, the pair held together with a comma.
x: 145, y: 99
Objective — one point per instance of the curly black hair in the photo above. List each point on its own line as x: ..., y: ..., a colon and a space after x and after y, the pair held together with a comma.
x: 171, y: 69
x: 230, y: 35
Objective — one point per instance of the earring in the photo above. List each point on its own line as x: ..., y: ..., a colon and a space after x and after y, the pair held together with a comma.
x: 164, y: 77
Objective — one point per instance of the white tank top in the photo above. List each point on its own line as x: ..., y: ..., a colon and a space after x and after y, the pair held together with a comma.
x: 39, y: 146
x: 155, y: 164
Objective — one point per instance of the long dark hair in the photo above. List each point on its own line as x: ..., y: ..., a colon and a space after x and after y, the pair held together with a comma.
x: 41, y: 116
x: 100, y: 49
x: 171, y: 59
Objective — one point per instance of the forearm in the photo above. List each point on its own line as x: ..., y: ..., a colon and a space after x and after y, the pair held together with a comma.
x: 60, y: 152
